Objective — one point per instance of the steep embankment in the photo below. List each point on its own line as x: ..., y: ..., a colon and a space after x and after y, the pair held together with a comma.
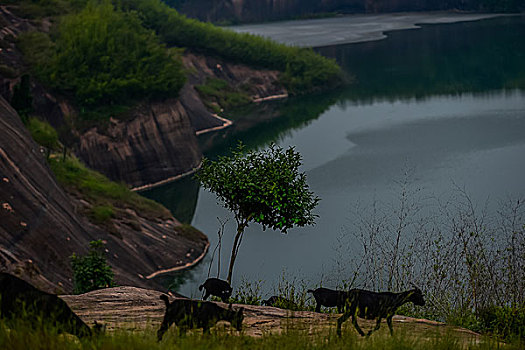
x: 41, y: 226
x: 158, y: 142
x: 257, y: 10
x: 129, y: 308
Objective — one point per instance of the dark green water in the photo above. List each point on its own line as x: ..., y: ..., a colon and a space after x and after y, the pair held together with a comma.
x: 446, y: 102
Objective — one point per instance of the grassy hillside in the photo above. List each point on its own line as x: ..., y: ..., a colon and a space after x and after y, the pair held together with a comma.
x: 103, y: 53
x: 303, y: 69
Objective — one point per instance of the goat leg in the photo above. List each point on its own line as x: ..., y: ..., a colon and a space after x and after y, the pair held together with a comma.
x: 163, y: 328
x: 378, y: 324
x: 340, y: 321
x: 354, y: 322
x: 389, y: 322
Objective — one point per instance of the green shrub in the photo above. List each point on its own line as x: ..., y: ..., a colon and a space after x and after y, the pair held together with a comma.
x: 248, y: 293
x: 100, y: 191
x: 22, y: 101
x: 7, y: 71
x: 505, y: 322
x: 37, y: 49
x: 220, y: 92
x: 43, y: 134
x: 105, y: 56
x: 91, y: 272
x: 101, y: 214
x: 304, y: 70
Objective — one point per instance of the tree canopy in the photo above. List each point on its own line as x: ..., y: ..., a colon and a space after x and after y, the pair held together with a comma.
x: 265, y: 187
x: 105, y: 55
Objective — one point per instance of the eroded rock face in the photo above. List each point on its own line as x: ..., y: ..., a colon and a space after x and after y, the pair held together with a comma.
x: 265, y: 10
x: 157, y: 142
x: 40, y: 224
x: 39, y: 227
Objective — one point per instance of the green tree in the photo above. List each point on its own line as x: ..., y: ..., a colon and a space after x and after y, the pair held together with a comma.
x: 91, y: 272
x: 43, y: 134
x: 104, y: 55
x: 265, y: 187
x: 22, y: 101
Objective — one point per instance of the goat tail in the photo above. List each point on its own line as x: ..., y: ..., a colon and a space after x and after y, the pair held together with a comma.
x: 201, y: 286
x: 166, y: 299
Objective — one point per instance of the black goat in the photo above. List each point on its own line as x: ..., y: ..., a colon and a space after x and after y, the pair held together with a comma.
x: 187, y: 313
x: 217, y: 287
x: 279, y: 302
x: 330, y: 298
x: 20, y: 300
x: 374, y: 305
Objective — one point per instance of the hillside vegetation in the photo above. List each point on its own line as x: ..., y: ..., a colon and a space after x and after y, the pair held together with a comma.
x: 104, y: 53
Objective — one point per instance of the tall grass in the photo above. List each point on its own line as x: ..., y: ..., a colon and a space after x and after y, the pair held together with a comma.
x: 20, y: 336
x: 470, y: 264
x: 103, y: 194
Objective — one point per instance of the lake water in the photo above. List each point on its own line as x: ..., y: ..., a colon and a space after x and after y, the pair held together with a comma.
x: 445, y: 103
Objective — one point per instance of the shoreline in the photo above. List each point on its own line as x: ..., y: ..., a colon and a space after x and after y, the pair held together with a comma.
x: 355, y: 28
x: 167, y: 180
x: 226, y: 123
x: 183, y: 267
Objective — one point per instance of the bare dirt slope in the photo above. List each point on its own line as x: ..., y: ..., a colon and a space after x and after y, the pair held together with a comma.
x: 130, y: 308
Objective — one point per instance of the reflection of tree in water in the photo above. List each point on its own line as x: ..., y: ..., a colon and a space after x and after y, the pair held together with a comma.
x: 470, y: 57
x: 437, y: 59
x: 258, y: 125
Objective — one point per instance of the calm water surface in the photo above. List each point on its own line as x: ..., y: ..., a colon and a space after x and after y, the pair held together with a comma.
x: 446, y: 103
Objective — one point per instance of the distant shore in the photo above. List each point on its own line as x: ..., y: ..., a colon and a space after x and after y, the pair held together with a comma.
x: 353, y: 28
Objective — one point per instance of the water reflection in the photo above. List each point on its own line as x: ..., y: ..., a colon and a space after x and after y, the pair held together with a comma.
x: 436, y: 60
x: 450, y: 98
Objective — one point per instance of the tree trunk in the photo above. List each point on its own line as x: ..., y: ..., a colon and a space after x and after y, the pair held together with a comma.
x: 235, y: 248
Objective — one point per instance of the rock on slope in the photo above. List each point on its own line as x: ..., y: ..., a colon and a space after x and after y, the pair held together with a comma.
x: 130, y: 308
x: 40, y: 227
x: 158, y: 140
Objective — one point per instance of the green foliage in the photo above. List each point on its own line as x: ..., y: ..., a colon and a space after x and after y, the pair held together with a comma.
x: 37, y: 49
x: 220, y: 92
x: 91, y: 272
x: 304, y: 70
x: 43, y: 133
x: 505, y: 322
x: 22, y: 101
x: 247, y: 293
x: 7, y: 72
x: 101, y: 214
x: 34, y: 9
x: 265, y: 187
x: 105, y: 56
x: 100, y: 191
x: 291, y: 338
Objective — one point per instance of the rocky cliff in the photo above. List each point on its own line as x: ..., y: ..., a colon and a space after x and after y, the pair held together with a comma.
x: 156, y: 140
x: 265, y: 10
x: 41, y: 226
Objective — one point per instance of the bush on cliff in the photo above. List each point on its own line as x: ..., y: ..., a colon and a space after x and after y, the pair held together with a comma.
x: 304, y: 70
x: 91, y: 272
x: 104, y: 55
